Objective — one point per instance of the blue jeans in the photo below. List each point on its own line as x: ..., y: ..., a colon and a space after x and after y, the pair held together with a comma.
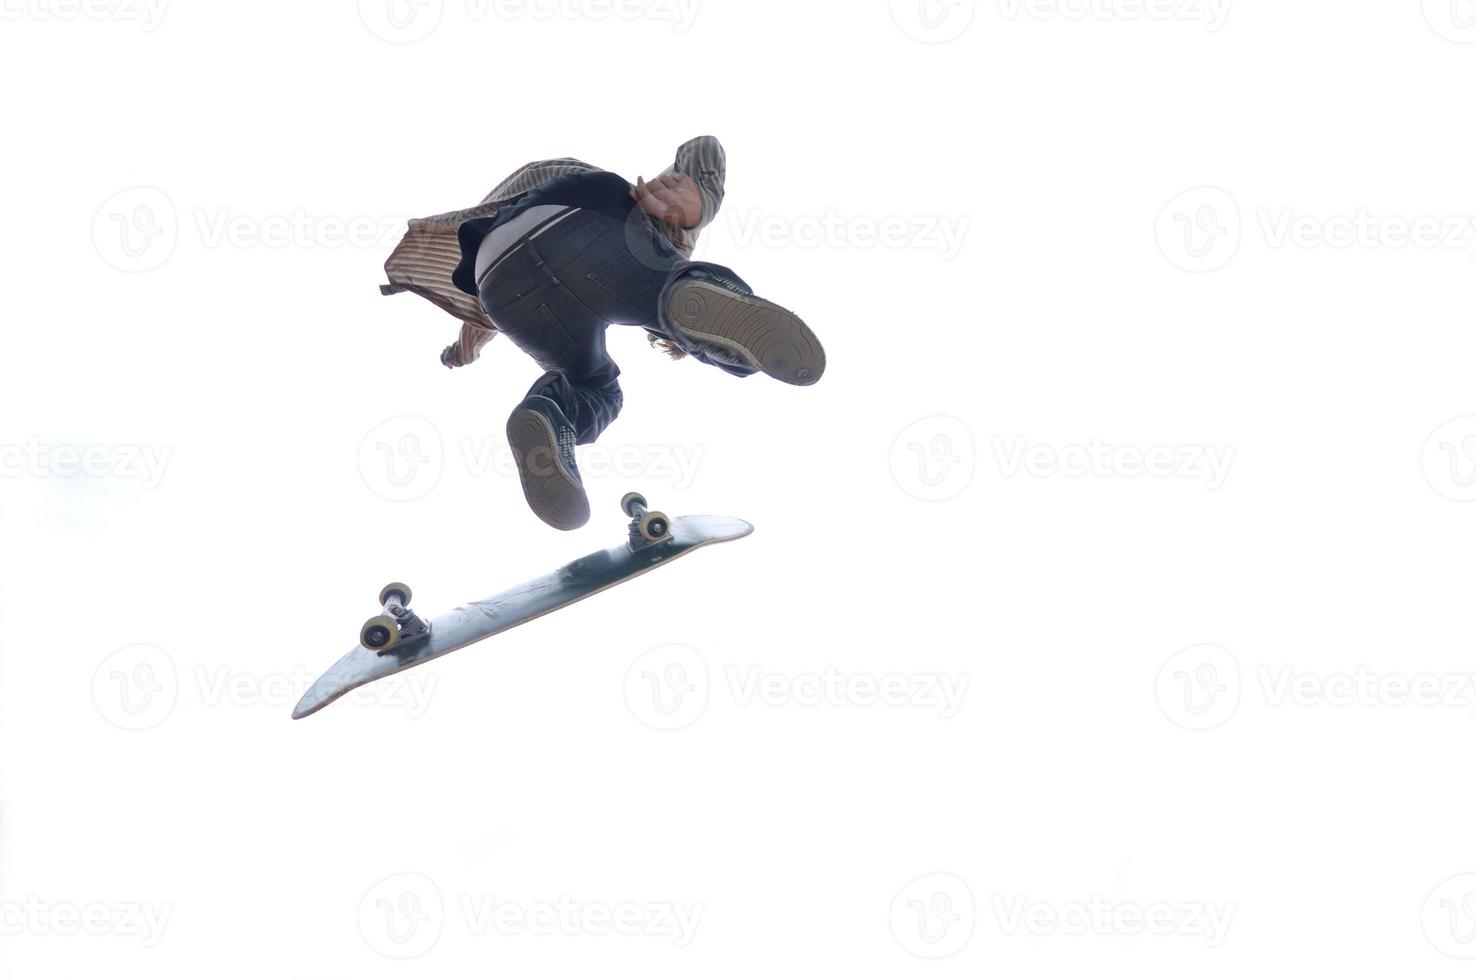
x: 555, y: 294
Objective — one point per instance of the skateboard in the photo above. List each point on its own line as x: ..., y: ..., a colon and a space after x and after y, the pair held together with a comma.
x: 397, y: 639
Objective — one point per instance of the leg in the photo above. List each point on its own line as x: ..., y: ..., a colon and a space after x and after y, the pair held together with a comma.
x: 632, y: 274
x: 578, y: 396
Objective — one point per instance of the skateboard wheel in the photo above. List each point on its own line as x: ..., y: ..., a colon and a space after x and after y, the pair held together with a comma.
x: 654, y: 525
x: 379, y: 633
x: 628, y: 502
x: 393, y: 590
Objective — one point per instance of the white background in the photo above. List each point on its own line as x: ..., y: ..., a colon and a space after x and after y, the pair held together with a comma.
x: 1210, y: 722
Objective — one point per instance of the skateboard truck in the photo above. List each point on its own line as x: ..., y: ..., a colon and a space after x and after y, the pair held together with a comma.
x: 646, y: 526
x: 397, y: 624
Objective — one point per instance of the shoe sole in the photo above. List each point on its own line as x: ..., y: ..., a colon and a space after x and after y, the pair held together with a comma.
x: 552, y: 493
x: 771, y: 338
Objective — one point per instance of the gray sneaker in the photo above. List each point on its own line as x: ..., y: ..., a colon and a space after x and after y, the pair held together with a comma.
x: 542, y: 442
x: 718, y: 314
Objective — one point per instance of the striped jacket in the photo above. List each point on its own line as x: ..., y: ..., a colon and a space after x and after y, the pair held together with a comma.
x: 428, y: 254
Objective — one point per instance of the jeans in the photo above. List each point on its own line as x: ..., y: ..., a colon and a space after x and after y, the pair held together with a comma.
x: 554, y: 294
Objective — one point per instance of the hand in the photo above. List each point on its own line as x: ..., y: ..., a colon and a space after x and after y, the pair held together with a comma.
x: 673, y: 198
x: 451, y: 356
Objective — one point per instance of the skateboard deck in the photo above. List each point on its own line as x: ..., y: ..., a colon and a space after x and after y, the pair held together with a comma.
x: 426, y: 640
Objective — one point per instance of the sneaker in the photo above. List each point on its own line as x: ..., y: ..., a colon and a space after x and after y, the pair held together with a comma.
x: 542, y: 442
x: 712, y: 311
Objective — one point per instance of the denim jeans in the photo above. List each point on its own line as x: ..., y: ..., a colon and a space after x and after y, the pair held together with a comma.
x: 556, y: 292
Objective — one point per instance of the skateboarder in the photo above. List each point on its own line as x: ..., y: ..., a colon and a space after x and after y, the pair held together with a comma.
x: 557, y: 253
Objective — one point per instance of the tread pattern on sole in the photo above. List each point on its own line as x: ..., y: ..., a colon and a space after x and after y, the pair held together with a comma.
x: 557, y: 499
x: 773, y: 339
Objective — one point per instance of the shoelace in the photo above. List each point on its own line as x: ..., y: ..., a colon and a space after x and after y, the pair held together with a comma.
x: 723, y: 281
x: 566, y: 448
